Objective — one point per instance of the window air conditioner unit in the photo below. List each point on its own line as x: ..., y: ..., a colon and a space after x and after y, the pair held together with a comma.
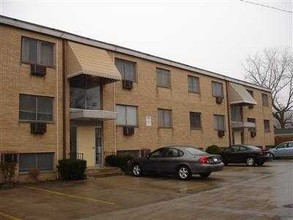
x: 221, y: 134
x: 127, y: 84
x: 128, y: 130
x: 38, y: 128
x: 38, y: 70
x: 219, y: 100
x: 253, y: 134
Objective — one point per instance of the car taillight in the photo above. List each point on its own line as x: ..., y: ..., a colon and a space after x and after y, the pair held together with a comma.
x: 204, y: 159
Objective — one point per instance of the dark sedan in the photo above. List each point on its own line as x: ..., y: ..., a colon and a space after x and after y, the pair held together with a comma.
x: 182, y: 161
x: 248, y: 154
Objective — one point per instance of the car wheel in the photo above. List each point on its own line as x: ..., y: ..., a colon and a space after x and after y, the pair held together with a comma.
x: 225, y: 163
x: 136, y: 170
x: 250, y: 161
x: 260, y: 163
x: 205, y: 175
x: 183, y: 173
x: 273, y: 156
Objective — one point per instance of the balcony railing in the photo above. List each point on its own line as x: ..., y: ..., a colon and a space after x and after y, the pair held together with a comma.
x: 76, y: 156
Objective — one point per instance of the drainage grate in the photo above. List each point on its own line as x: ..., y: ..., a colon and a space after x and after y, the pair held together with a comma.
x: 289, y: 206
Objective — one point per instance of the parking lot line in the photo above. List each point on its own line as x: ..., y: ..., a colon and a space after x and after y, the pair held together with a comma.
x: 70, y: 196
x: 7, y: 216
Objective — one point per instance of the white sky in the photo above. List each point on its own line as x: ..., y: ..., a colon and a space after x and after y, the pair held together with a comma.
x: 213, y: 35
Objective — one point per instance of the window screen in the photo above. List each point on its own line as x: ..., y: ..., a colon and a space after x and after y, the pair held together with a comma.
x: 41, y: 161
x: 37, y: 52
x: 35, y: 108
x: 217, y: 89
x: 163, y: 78
x: 126, y: 69
x: 193, y: 84
x: 165, y: 118
x: 126, y: 115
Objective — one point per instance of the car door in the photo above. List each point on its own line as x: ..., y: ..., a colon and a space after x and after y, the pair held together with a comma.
x: 281, y: 150
x: 230, y: 154
x: 288, y: 150
x: 242, y: 154
x: 153, y: 164
x: 169, y: 163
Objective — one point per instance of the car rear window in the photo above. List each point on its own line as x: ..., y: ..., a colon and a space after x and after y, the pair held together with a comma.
x: 253, y: 147
x: 194, y: 151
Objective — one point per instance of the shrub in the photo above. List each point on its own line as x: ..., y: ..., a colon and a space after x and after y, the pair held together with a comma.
x: 8, y: 171
x: 118, y: 161
x: 35, y: 173
x: 213, y: 149
x: 71, y: 169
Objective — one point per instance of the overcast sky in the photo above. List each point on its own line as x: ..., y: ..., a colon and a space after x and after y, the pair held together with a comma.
x: 213, y: 35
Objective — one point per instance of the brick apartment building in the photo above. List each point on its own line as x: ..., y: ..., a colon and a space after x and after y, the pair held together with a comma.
x: 64, y: 95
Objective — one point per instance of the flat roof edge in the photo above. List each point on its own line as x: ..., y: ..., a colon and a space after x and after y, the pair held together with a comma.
x: 80, y: 39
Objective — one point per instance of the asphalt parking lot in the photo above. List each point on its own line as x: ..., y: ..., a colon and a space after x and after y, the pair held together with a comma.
x: 236, y: 192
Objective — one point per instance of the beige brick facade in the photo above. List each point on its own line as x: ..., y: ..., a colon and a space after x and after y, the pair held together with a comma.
x: 145, y: 95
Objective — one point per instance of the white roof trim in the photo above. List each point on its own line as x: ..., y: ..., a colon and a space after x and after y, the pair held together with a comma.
x: 73, y: 37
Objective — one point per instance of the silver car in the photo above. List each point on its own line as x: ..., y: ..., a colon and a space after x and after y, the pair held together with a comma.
x: 282, y: 150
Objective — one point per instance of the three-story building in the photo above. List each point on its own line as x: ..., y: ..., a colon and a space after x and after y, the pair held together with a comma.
x: 64, y: 95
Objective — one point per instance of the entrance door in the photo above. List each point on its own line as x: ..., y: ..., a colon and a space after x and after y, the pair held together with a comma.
x: 99, y: 144
x: 237, y: 137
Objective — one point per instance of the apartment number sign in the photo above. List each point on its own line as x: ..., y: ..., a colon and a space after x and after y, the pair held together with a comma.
x: 148, y: 120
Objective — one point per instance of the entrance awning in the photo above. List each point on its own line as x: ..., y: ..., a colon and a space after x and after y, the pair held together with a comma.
x: 239, y: 95
x: 82, y: 59
x: 83, y: 114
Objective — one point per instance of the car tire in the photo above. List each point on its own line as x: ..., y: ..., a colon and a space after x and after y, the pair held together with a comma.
x: 225, y: 163
x: 250, y: 161
x: 183, y: 173
x: 273, y: 156
x: 136, y: 170
x: 205, y: 175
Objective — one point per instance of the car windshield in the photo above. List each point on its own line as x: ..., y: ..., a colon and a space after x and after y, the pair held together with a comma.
x: 194, y: 151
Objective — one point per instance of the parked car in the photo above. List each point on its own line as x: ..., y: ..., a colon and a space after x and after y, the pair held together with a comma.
x: 282, y: 150
x: 251, y: 155
x: 182, y: 161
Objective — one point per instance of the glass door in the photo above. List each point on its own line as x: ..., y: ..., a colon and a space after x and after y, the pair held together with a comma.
x: 99, y: 144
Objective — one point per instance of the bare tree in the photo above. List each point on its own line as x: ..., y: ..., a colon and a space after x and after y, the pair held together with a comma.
x: 273, y: 69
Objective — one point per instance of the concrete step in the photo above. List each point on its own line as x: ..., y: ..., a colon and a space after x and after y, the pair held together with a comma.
x: 104, y: 172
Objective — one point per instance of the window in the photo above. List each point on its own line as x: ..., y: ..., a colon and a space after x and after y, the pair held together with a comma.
x: 193, y: 84
x: 35, y: 108
x: 219, y: 122
x: 85, y: 93
x: 127, y: 69
x: 163, y: 78
x: 217, y: 89
x: 267, y: 126
x: 250, y: 92
x: 41, y: 161
x: 172, y: 152
x: 37, y: 52
x: 8, y: 158
x: 195, y: 120
x: 265, y: 99
x: 126, y: 115
x: 236, y: 113
x: 165, y: 118
x: 159, y: 153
